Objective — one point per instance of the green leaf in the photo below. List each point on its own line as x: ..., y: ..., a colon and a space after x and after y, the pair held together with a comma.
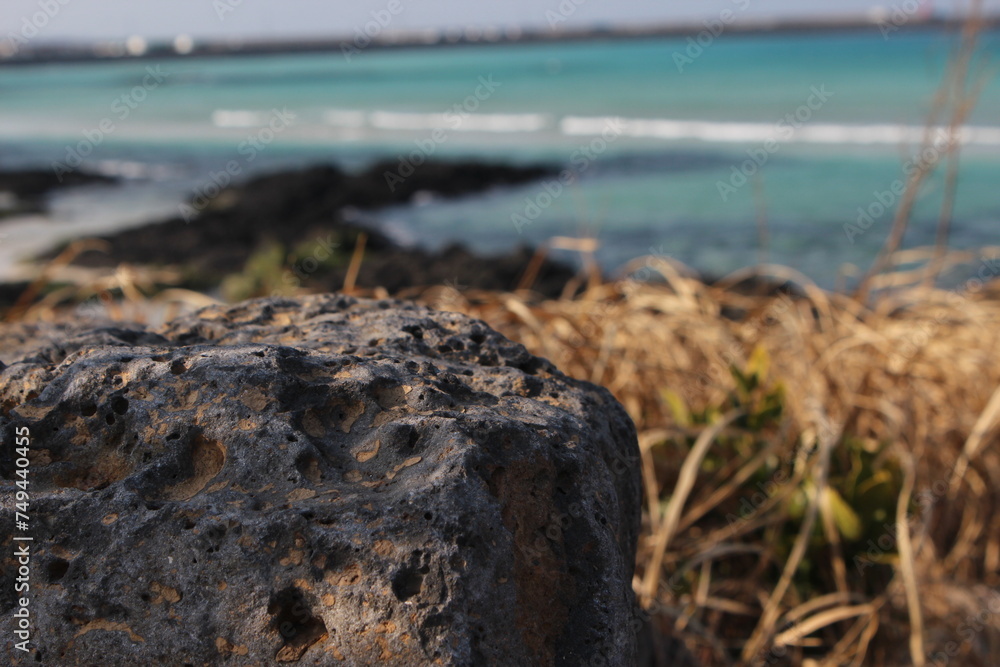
x: 759, y: 362
x: 677, y: 407
x: 844, y: 517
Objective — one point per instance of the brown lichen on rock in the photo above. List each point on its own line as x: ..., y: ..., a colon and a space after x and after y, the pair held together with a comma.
x: 318, y: 480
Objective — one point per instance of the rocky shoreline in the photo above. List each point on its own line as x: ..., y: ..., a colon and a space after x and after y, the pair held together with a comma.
x: 25, y: 191
x: 307, y: 219
x: 283, y: 232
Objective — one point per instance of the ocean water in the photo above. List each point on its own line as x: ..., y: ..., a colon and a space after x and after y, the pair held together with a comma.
x: 658, y: 139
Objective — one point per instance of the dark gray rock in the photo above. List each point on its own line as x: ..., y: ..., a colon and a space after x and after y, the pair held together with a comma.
x: 320, y: 480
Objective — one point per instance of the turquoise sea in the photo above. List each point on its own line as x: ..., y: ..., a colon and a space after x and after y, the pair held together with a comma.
x: 823, y: 123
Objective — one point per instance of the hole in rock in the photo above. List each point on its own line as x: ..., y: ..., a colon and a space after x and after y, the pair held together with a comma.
x: 294, y: 621
x: 57, y: 569
x: 409, y: 581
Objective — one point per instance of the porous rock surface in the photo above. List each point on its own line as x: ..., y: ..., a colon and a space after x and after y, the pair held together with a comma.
x: 319, y: 481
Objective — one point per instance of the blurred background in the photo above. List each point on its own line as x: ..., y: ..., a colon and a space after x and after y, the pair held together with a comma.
x: 684, y: 97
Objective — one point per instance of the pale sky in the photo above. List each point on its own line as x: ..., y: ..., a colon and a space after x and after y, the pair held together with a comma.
x: 255, y: 19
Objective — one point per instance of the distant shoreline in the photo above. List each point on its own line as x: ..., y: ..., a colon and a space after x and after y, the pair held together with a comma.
x: 117, y: 52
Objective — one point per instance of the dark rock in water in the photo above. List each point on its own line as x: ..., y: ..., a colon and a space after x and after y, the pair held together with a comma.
x: 307, y: 206
x: 30, y: 186
x: 398, y: 269
x: 320, y: 480
x: 10, y: 293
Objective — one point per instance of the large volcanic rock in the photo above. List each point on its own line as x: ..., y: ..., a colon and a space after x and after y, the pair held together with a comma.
x: 322, y: 480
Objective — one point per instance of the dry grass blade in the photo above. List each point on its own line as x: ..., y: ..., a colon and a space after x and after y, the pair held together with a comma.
x: 672, y: 514
x: 728, y: 489
x: 815, y: 605
x: 950, y: 92
x: 906, y: 566
x: 64, y: 258
x: 965, y: 102
x: 821, y: 620
x: 986, y: 421
x: 358, y: 256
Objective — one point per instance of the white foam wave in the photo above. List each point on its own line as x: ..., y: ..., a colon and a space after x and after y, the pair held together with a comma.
x: 129, y: 169
x: 392, y: 120
x: 238, y: 118
x: 722, y: 132
x: 530, y: 122
x: 452, y: 122
x: 664, y: 129
x: 344, y: 118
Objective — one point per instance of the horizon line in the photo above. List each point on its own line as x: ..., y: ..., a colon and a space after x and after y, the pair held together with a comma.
x: 184, y: 46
